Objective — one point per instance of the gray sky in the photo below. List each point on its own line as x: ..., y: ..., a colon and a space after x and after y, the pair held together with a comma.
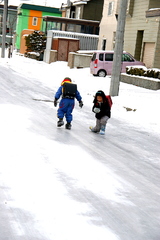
x: 50, y: 3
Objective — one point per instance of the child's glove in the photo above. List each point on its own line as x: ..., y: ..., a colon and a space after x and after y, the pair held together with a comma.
x: 96, y: 110
x: 55, y: 102
x: 80, y: 104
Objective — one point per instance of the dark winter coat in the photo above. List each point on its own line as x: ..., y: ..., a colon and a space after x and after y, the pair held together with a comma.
x: 104, y: 107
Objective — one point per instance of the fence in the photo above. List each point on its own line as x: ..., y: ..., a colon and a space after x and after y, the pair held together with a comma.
x: 87, y: 41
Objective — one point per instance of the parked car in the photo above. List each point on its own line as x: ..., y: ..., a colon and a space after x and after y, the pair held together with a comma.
x: 102, y: 61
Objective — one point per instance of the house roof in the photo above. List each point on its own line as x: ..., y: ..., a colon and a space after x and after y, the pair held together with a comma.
x: 10, y: 7
x: 72, y: 21
x: 39, y: 8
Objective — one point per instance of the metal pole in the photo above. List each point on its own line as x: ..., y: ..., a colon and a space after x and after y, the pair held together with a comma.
x: 5, y: 9
x: 117, y: 59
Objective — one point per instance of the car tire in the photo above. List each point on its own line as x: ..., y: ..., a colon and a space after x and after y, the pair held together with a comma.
x: 102, y: 73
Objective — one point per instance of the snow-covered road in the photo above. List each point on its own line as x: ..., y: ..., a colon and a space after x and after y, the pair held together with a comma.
x: 58, y: 184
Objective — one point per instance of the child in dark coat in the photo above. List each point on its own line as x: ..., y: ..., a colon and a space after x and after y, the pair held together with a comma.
x: 102, y: 111
x: 66, y: 104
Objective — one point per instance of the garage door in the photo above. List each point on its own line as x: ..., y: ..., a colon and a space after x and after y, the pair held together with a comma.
x: 148, y: 55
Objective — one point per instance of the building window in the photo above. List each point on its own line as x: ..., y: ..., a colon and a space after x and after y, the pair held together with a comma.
x: 35, y: 21
x: 104, y: 41
x: 110, y: 8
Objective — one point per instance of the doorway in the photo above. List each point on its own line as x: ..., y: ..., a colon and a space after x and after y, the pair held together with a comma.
x: 138, y: 47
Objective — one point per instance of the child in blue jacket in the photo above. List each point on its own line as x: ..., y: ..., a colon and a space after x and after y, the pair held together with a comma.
x: 66, y: 104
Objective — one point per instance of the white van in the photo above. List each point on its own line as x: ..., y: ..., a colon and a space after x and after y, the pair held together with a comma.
x: 102, y: 61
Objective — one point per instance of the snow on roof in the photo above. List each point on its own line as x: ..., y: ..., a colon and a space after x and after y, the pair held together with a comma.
x: 79, y: 2
x: 152, y: 9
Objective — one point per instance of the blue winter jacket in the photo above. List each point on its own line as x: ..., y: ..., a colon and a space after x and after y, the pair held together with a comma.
x: 59, y: 93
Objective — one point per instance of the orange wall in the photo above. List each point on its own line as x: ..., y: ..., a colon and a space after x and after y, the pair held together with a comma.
x: 23, y: 41
x: 33, y: 14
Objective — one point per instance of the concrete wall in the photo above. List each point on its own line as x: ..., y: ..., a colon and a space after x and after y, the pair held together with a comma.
x: 79, y: 60
x: 148, y: 83
x: 50, y: 56
x: 74, y: 59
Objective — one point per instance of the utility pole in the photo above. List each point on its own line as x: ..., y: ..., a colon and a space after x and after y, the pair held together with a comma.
x: 117, y: 59
x: 5, y: 9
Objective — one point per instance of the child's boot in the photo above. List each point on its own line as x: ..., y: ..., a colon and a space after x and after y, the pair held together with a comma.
x: 60, y: 122
x: 68, y: 126
x: 93, y: 129
x: 102, y: 130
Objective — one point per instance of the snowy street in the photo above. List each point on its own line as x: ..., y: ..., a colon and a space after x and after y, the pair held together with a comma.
x: 58, y: 184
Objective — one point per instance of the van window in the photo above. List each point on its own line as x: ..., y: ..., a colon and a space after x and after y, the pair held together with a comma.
x: 93, y: 57
x: 101, y: 56
x: 109, y: 57
x: 127, y: 58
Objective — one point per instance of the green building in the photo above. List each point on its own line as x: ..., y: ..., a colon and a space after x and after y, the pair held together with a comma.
x: 30, y: 17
